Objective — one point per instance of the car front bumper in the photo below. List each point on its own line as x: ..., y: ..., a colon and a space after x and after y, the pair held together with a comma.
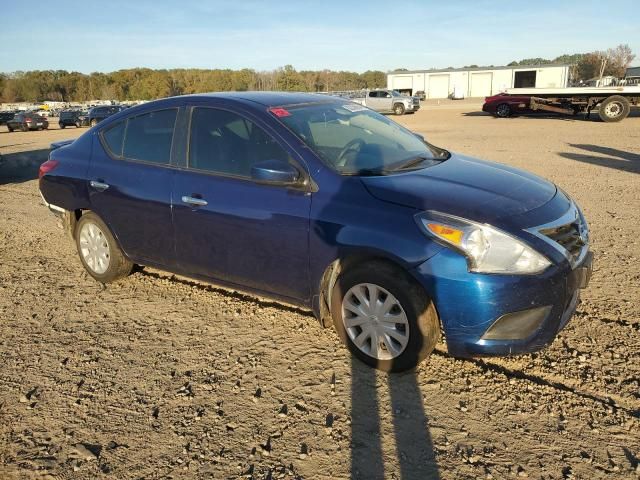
x: 490, y: 315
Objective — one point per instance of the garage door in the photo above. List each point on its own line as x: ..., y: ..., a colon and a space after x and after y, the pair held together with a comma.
x: 439, y: 86
x: 481, y: 84
x: 405, y: 82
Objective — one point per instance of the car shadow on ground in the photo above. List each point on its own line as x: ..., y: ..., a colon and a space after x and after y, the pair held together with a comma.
x: 21, y: 167
x: 413, y: 444
x: 605, y: 157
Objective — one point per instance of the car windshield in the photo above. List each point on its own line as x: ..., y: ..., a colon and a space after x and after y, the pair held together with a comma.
x: 396, y: 94
x: 354, y: 140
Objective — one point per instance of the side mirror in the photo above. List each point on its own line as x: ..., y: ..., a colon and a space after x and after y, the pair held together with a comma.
x: 419, y: 136
x: 274, y: 172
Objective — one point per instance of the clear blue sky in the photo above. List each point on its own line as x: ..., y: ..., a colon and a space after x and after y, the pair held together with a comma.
x: 108, y: 35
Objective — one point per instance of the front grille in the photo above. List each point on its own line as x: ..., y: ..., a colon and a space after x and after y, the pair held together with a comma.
x: 570, y: 236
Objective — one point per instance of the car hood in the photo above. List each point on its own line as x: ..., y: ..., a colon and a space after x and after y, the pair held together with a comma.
x: 466, y: 187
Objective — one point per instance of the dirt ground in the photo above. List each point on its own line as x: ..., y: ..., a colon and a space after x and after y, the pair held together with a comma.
x: 162, y: 377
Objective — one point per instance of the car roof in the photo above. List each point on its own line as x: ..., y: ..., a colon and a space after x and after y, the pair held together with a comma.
x: 269, y: 99
x: 250, y: 99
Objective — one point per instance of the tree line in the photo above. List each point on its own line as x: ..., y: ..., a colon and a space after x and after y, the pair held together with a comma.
x: 147, y: 84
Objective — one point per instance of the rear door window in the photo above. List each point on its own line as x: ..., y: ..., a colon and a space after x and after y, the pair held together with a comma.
x: 148, y: 137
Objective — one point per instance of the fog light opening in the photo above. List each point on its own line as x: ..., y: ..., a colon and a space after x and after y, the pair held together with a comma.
x: 517, y: 325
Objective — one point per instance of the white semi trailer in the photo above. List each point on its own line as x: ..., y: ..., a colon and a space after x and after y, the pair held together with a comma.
x: 613, y: 103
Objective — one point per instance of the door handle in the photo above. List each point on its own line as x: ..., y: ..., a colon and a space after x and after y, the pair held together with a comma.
x: 101, y: 187
x: 198, y: 202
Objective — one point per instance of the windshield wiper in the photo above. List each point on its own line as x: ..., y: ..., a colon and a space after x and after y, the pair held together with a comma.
x: 410, y: 163
x: 415, y: 161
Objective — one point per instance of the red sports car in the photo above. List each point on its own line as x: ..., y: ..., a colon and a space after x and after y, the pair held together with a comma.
x: 504, y: 105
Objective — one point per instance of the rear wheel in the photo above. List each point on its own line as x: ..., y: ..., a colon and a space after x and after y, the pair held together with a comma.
x: 614, y: 109
x: 503, y: 110
x: 9, y: 128
x: 99, y: 252
x: 384, y: 317
x: 398, y: 109
x: 62, y: 125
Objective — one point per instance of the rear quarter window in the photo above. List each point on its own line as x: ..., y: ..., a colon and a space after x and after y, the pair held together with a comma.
x: 113, y: 138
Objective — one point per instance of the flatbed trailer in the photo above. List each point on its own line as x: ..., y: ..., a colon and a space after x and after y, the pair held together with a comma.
x: 613, y: 103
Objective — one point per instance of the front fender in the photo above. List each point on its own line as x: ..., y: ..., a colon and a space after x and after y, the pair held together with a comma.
x: 348, y: 222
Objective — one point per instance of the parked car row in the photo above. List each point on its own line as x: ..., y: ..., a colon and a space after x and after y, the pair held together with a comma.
x: 33, y: 120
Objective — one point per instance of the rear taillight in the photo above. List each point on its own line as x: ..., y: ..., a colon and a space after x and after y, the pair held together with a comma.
x: 46, y: 167
x: 27, y: 119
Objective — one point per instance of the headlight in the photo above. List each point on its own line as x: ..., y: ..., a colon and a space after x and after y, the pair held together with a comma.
x: 488, y: 250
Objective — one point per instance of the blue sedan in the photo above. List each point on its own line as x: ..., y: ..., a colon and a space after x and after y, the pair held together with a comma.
x: 323, y: 203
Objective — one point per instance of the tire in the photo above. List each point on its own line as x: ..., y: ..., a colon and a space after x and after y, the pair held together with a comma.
x: 92, y: 234
x: 62, y: 125
x: 94, y: 122
x: 398, y: 109
x: 421, y: 326
x: 24, y: 128
x: 614, y: 109
x: 503, y: 110
x: 77, y: 124
x: 9, y: 128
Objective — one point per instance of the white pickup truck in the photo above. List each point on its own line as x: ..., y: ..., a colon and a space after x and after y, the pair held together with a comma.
x: 389, y: 101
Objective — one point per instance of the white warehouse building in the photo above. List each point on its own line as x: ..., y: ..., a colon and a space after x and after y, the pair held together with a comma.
x: 477, y: 82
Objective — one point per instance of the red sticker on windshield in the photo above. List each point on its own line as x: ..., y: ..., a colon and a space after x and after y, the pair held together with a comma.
x: 280, y: 112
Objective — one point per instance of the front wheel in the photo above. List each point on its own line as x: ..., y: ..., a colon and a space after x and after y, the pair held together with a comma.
x: 99, y: 252
x: 503, y: 110
x: 384, y: 317
x: 398, y: 109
